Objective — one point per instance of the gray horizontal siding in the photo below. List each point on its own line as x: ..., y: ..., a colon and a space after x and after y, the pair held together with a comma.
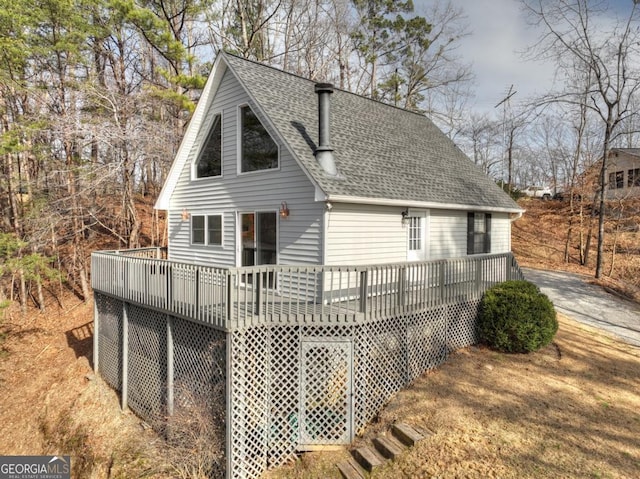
x: 299, y: 235
x: 365, y: 234
x: 448, y: 235
x: 500, y: 233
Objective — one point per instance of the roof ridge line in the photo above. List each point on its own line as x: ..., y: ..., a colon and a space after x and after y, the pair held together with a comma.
x: 295, y: 75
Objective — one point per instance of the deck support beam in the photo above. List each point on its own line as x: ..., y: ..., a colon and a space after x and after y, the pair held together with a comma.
x: 96, y: 332
x: 170, y: 352
x: 125, y: 355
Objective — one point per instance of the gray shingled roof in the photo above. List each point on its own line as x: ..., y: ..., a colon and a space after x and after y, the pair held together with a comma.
x: 381, y: 152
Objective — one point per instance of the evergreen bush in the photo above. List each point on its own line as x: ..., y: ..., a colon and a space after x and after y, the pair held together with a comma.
x: 515, y: 317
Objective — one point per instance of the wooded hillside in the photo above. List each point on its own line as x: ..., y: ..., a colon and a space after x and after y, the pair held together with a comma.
x: 95, y: 96
x: 550, y: 236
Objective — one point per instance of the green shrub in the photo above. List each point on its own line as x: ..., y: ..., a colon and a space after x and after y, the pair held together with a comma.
x: 515, y: 317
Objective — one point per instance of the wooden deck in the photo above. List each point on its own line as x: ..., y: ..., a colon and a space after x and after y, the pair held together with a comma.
x: 235, y: 298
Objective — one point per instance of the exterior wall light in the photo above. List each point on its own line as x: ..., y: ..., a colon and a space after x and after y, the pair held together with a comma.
x: 284, y: 210
x: 405, y: 217
x: 185, y: 215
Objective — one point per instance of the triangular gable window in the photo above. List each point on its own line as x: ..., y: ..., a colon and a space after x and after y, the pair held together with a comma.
x: 210, y: 159
x: 258, y: 150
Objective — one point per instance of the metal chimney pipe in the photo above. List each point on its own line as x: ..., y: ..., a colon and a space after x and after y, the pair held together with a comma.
x: 324, y: 152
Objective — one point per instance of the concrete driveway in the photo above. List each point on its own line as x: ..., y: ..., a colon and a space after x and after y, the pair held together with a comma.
x: 588, y: 303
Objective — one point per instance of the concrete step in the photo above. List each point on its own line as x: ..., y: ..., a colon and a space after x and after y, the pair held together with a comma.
x: 368, y: 458
x: 388, y: 446
x: 408, y: 435
x: 350, y: 469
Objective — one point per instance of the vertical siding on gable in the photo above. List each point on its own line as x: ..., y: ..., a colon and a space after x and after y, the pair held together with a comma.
x: 299, y: 235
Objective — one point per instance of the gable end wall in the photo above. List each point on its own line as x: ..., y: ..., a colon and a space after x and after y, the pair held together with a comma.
x: 299, y: 234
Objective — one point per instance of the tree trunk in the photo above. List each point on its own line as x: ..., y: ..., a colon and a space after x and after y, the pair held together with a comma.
x: 603, y: 188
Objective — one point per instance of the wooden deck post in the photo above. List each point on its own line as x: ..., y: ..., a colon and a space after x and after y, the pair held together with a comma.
x: 443, y: 266
x: 258, y: 289
x: 125, y: 354
x: 96, y: 331
x: 168, y: 297
x: 479, y: 268
x: 229, y: 420
x: 507, y: 264
x: 364, y: 291
x: 170, y: 393
x: 402, y: 285
x: 231, y: 297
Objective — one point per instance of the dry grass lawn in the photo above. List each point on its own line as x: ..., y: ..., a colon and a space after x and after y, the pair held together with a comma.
x: 571, y: 410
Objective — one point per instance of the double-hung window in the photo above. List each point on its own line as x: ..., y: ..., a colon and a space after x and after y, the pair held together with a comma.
x: 206, y: 230
x: 478, y: 233
x: 633, y: 177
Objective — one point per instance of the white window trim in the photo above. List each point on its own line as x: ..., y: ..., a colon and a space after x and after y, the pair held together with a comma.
x: 424, y: 216
x: 239, y: 171
x: 239, y: 214
x: 206, y: 229
x: 194, y: 162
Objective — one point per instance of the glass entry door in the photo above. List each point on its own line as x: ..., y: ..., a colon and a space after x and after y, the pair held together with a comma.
x: 416, y: 223
x: 258, y: 241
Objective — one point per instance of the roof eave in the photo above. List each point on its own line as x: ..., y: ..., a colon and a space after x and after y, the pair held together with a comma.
x: 189, y: 138
x: 419, y: 204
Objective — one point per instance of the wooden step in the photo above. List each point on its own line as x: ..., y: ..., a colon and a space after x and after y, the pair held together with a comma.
x: 368, y: 458
x: 350, y: 469
x: 388, y: 446
x: 407, y: 435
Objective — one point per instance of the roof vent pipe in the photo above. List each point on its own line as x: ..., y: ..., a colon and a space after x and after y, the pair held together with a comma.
x: 324, y: 152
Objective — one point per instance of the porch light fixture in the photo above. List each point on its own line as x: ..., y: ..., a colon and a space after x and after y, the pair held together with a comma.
x: 284, y: 210
x: 405, y: 217
x: 185, y: 214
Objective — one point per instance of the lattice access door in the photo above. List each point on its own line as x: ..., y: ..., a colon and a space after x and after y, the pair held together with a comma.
x: 326, y: 392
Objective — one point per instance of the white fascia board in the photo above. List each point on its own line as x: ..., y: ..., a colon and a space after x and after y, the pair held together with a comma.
x: 190, y: 135
x: 418, y: 204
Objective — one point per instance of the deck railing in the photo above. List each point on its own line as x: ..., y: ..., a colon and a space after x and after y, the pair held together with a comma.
x: 232, y: 298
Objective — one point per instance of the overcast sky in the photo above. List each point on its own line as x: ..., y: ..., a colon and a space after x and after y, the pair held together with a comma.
x: 498, y: 32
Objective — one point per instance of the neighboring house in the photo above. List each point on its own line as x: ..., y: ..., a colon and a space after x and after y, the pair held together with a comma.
x: 623, y: 173
x: 249, y: 187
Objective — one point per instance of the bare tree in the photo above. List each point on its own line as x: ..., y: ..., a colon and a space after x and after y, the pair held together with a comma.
x: 582, y: 35
x: 482, y: 137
